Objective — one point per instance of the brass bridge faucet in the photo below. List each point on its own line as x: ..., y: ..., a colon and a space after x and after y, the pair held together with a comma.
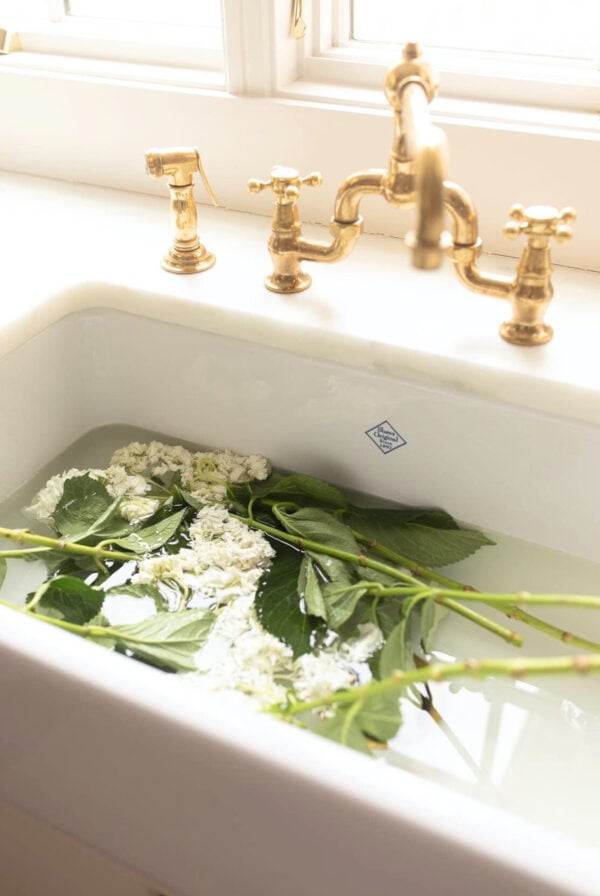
x: 187, y: 255
x: 416, y: 177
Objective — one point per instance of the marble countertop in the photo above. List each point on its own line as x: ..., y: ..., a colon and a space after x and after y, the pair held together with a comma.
x: 372, y: 311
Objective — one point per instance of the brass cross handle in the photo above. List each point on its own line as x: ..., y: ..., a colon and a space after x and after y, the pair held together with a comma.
x: 285, y: 183
x: 540, y: 221
x: 531, y: 291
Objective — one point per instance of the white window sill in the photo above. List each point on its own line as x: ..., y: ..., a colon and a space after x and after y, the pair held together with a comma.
x: 372, y: 311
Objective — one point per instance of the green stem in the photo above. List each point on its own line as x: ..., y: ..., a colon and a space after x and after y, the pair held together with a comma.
x: 318, y: 548
x: 493, y: 599
x: 60, y: 623
x: 523, y: 597
x: 413, y: 567
x: 513, y: 612
x: 552, y: 631
x: 361, y: 560
x: 471, y: 668
x: 22, y: 536
x: 493, y: 627
x: 24, y: 552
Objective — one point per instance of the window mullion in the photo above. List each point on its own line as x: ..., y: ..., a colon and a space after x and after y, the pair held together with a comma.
x: 260, y: 54
x: 249, y: 47
x: 341, y: 22
x: 57, y: 10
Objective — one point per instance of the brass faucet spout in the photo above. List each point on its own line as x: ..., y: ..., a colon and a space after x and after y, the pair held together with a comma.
x: 345, y: 235
x: 465, y: 228
x: 352, y: 191
x: 425, y: 146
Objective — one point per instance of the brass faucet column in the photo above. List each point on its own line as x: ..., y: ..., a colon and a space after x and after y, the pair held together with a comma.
x: 286, y: 244
x: 187, y: 255
x: 417, y: 161
x: 533, y: 287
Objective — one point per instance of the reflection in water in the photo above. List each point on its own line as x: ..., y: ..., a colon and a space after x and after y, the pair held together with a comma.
x: 515, y: 745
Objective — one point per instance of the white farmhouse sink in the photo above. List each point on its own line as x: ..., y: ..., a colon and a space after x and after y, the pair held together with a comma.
x: 174, y: 784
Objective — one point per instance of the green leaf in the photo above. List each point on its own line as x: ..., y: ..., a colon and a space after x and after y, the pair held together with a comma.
x: 152, y: 537
x: 298, y: 488
x: 167, y: 640
x: 277, y: 603
x: 402, y: 643
x: 69, y: 598
x: 188, y: 498
x: 341, y: 601
x: 138, y: 591
x: 84, y: 505
x: 428, y: 537
x: 379, y: 716
x: 344, y: 729
x: 432, y: 614
x: 315, y: 524
x: 309, y: 589
x: 3, y: 568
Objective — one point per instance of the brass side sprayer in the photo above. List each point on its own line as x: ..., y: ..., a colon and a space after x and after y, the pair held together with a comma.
x: 416, y: 178
x: 187, y: 255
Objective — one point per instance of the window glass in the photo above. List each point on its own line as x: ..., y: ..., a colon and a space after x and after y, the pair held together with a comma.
x: 540, y: 28
x: 206, y: 13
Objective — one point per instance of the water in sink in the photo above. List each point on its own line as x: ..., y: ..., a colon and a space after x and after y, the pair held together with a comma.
x: 529, y: 747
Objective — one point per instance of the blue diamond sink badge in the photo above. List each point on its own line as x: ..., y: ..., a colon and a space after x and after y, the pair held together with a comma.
x: 385, y: 437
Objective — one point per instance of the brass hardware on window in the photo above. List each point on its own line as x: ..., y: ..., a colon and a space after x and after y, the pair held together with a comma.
x: 9, y: 42
x: 416, y: 178
x: 187, y: 255
x: 298, y: 28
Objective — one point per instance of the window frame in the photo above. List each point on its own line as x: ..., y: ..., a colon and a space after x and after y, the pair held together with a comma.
x: 334, y: 57
x: 261, y: 110
x: 60, y: 34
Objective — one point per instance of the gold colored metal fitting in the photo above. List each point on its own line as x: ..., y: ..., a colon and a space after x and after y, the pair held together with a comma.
x: 530, y: 291
x: 285, y: 183
x: 9, y: 41
x: 187, y: 255
x: 533, y: 286
x: 414, y: 68
x: 415, y: 178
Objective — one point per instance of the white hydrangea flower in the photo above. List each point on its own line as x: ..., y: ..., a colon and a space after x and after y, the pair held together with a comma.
x: 363, y: 645
x: 240, y: 655
x: 153, y: 459
x: 167, y: 568
x: 210, y: 469
x: 120, y: 483
x: 117, y: 481
x: 203, y: 473
x: 317, y: 675
x: 137, y: 509
x: 224, y: 561
x: 219, y: 539
x: 45, y: 502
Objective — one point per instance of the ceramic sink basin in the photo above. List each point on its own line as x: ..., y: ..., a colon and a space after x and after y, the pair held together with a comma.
x: 185, y: 790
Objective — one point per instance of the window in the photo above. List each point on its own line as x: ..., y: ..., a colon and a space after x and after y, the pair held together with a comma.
x: 540, y: 52
x: 121, y: 75
x: 536, y: 29
x: 176, y: 33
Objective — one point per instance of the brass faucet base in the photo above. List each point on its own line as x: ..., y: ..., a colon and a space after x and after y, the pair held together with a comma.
x: 526, y: 334
x: 188, y: 261
x: 288, y: 283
